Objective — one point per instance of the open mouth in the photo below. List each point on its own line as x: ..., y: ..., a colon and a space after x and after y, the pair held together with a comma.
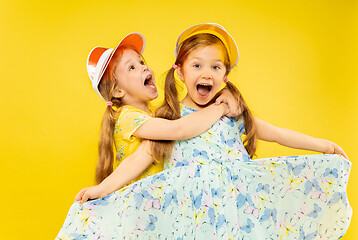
x: 149, y: 82
x: 203, y: 89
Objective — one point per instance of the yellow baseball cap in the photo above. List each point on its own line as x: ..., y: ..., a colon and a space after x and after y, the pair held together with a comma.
x: 216, y: 30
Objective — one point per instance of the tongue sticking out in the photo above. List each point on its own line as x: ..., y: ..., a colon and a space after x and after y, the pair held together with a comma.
x: 203, y: 90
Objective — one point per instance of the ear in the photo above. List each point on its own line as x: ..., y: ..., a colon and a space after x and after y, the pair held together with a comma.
x: 180, y: 73
x: 118, y: 93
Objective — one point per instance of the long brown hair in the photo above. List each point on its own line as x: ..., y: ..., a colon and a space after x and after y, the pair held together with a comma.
x: 171, y: 109
x: 107, y: 85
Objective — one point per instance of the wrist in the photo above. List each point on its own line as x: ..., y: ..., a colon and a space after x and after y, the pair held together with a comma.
x: 324, y: 145
x: 104, y: 188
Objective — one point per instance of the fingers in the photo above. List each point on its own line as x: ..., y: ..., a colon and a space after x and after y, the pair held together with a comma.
x: 231, y: 101
x: 340, y: 151
x: 232, y: 105
x: 80, y: 195
x: 335, y: 149
x: 84, y: 198
x: 234, y: 109
x: 345, y: 155
x: 219, y: 100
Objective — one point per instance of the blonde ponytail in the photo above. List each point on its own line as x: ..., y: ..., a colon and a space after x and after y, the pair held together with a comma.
x: 162, y: 149
x: 250, y: 128
x: 105, y: 146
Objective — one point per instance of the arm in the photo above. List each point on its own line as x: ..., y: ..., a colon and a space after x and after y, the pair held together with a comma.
x: 193, y: 124
x: 293, y: 139
x: 130, y: 168
x: 183, y: 128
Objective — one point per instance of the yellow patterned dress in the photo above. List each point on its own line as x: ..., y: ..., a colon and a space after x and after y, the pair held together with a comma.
x: 129, y: 120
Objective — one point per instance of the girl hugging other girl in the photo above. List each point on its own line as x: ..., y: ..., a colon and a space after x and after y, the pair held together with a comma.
x: 210, y: 187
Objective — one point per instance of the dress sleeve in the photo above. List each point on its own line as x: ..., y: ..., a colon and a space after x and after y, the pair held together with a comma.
x: 129, y: 120
x: 241, y: 124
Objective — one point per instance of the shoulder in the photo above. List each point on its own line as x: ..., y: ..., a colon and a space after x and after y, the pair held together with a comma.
x: 129, y: 119
x: 130, y: 109
x: 130, y: 112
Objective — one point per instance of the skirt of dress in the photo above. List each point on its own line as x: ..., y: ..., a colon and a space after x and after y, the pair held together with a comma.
x: 295, y: 197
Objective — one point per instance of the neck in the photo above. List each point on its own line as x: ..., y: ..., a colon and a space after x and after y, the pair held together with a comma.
x: 140, y: 105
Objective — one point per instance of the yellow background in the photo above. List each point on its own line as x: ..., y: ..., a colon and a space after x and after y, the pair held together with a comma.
x: 297, y: 69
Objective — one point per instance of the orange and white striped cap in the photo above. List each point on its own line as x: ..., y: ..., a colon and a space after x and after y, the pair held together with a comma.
x: 216, y: 30
x: 99, y: 58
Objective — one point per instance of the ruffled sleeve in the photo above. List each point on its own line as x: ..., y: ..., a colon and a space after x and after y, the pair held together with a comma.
x: 129, y: 120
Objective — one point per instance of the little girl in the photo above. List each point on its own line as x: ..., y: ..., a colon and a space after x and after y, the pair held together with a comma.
x: 121, y: 78
x: 211, y: 188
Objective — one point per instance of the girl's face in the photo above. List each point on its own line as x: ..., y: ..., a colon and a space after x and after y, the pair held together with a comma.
x: 203, y: 73
x: 136, y: 84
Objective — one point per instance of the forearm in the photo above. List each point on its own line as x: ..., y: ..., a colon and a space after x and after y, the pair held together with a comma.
x: 291, y: 138
x: 130, y: 168
x: 288, y: 137
x: 184, y: 128
x: 198, y: 122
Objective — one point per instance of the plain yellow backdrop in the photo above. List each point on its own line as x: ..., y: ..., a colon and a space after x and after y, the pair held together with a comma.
x: 297, y: 69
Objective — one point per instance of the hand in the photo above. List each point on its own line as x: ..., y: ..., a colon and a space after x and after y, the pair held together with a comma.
x: 232, y: 102
x: 332, y: 148
x: 90, y: 193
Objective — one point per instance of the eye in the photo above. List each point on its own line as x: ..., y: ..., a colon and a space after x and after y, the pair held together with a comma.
x: 216, y: 67
x: 196, y: 65
x: 141, y: 62
x: 131, y: 68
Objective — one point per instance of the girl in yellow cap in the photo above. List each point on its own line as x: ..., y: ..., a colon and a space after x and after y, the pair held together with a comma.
x: 211, y: 188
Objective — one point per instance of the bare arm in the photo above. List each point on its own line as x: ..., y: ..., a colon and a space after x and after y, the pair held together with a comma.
x: 130, y: 168
x: 293, y: 139
x: 183, y: 128
x: 193, y: 124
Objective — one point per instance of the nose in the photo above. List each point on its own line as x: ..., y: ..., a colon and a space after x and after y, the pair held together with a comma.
x: 206, y: 73
x: 145, y: 68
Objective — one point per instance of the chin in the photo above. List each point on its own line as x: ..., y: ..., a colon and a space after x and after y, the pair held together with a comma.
x: 205, y: 101
x: 154, y: 96
x: 202, y: 103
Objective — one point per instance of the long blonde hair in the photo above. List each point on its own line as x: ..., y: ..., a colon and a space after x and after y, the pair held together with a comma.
x: 171, y: 107
x: 107, y: 85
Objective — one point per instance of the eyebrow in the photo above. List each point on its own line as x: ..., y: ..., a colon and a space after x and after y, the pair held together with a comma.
x: 131, y: 60
x: 197, y: 58
x: 127, y: 62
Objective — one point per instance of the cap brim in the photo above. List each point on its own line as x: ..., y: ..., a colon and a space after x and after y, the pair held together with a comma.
x: 99, y: 56
x: 216, y: 30
x: 134, y: 39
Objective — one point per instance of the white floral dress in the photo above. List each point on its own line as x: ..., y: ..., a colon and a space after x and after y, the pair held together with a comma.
x: 211, y: 189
